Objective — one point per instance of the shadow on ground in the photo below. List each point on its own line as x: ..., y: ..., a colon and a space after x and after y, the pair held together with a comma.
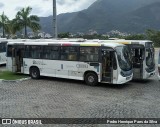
x: 78, y: 82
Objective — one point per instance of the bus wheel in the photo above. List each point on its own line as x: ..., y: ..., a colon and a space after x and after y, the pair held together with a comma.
x: 34, y: 72
x: 91, y: 79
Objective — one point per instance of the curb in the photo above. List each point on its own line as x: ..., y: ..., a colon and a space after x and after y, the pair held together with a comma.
x: 14, y: 81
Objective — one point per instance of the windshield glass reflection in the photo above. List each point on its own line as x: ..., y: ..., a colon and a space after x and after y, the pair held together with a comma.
x: 124, y: 58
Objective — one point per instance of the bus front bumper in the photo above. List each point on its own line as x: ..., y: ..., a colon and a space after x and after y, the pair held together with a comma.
x: 123, y: 80
x: 148, y: 75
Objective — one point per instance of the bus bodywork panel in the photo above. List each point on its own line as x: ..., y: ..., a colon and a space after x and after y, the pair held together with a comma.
x: 55, y: 68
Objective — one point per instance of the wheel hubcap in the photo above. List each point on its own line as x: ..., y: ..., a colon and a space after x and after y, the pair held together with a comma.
x: 91, y: 79
x: 34, y: 73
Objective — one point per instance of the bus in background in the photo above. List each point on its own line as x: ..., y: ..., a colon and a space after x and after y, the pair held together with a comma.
x: 143, y: 60
x: 91, y: 62
x: 159, y: 65
x: 3, y: 45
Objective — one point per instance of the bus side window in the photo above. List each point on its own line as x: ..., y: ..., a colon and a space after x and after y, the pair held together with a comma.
x: 36, y: 52
x: 51, y: 52
x: 27, y: 53
x: 89, y: 54
x: 2, y: 47
x: 69, y: 53
x: 72, y: 57
x: 46, y: 52
x: 54, y: 54
x: 9, y: 51
x: 64, y: 52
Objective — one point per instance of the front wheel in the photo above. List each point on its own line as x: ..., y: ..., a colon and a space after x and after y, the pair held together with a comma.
x: 91, y: 79
x: 35, y: 73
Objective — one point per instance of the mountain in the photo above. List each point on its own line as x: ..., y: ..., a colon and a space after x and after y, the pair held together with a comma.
x: 147, y: 17
x: 134, y: 16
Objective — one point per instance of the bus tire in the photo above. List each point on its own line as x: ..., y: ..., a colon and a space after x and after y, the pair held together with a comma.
x: 35, y: 73
x: 91, y: 79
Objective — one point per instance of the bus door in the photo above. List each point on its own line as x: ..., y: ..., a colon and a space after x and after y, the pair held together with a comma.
x: 137, y: 59
x: 17, y: 59
x: 107, y: 65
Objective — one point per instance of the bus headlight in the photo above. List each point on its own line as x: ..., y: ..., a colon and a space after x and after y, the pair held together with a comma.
x: 122, y: 74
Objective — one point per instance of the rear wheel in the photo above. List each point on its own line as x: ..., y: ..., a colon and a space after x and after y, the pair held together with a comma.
x: 91, y: 79
x: 35, y: 73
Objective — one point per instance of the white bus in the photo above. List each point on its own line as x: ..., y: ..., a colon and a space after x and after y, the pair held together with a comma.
x: 143, y: 60
x: 91, y: 62
x: 3, y: 44
x: 159, y: 66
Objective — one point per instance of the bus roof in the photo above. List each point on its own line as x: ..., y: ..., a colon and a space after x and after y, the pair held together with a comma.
x: 49, y: 40
x: 3, y: 39
x: 65, y: 43
x: 122, y: 41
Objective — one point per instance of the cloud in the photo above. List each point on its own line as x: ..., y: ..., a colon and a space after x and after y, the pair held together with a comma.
x: 61, y: 2
x: 36, y: 10
x: 1, y: 5
x: 43, y: 7
x: 18, y: 8
x: 63, y: 6
x: 73, y: 5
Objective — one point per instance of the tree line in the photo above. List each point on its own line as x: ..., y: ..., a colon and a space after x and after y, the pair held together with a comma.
x: 22, y: 21
x: 149, y: 34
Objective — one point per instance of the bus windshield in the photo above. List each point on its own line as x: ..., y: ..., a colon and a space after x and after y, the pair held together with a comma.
x: 124, y: 58
x: 150, y: 57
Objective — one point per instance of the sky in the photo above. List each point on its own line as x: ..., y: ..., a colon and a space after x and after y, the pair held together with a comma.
x: 42, y: 8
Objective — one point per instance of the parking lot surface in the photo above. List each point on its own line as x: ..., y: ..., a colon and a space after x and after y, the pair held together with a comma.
x: 61, y: 98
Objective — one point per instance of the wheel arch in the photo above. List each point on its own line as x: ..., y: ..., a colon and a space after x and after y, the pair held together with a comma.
x: 89, y: 71
x: 33, y: 67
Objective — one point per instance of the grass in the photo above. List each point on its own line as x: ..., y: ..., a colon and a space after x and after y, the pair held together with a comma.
x: 6, y: 75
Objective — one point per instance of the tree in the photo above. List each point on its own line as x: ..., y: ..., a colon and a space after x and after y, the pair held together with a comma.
x: 64, y: 35
x: 3, y: 22
x: 135, y: 37
x: 154, y: 36
x: 24, y: 20
x: 12, y: 27
x: 95, y: 36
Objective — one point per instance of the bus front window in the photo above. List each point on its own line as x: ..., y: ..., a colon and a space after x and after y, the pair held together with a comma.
x: 124, y: 58
x: 150, y: 57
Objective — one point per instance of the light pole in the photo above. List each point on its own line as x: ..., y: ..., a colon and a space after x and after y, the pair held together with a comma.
x: 54, y: 19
